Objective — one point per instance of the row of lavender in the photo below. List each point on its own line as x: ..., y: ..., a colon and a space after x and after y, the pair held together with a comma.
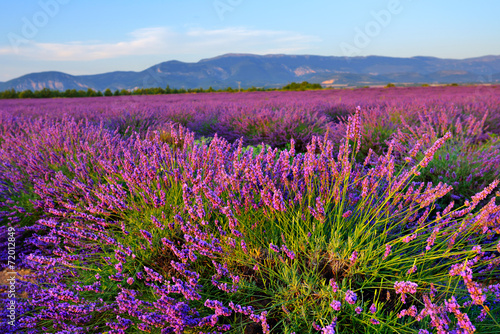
x: 277, y: 117
x: 157, y: 232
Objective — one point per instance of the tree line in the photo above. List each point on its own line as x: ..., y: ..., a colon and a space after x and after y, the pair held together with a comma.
x: 53, y: 93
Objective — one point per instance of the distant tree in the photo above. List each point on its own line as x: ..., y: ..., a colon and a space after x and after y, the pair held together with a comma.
x: 26, y: 94
x: 9, y: 94
x: 90, y: 92
x: 108, y: 92
x: 302, y: 86
x: 389, y: 85
x: 44, y: 93
x: 117, y: 93
x: 291, y: 86
x: 425, y: 85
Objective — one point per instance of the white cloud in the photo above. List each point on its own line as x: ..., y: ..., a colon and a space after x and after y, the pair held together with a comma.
x: 164, y: 41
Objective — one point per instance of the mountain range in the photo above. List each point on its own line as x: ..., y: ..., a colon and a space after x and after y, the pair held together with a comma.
x: 247, y: 70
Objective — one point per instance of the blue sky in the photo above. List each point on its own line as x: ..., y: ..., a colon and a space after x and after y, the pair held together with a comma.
x: 87, y: 37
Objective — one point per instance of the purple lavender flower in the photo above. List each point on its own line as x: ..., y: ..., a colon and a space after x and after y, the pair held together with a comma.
x: 405, y: 287
x: 274, y: 248
x: 218, y: 307
x: 157, y: 223
x: 409, y: 238
x: 463, y: 319
x: 244, y: 246
x: 412, y: 270
x: 153, y: 274
x: 474, y: 288
x: 334, y: 285
x: 353, y: 258
x: 350, y: 297
x: 288, y: 252
x: 330, y: 329
x: 336, y: 305
x: 147, y: 236
x: 387, y: 251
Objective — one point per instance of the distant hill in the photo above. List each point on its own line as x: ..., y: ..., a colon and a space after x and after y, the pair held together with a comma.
x: 273, y: 71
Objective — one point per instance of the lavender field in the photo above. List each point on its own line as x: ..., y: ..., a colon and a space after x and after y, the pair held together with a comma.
x: 333, y: 211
